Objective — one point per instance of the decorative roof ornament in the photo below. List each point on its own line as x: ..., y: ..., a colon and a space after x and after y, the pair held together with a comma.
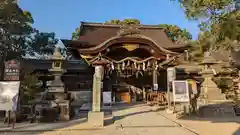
x: 57, y: 54
x: 128, y: 30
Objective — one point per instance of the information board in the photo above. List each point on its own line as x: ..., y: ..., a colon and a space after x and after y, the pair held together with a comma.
x: 9, y: 91
x: 180, y: 91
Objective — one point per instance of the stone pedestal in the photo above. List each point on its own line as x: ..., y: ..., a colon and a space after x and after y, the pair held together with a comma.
x: 210, y: 92
x: 214, y: 103
x: 224, y: 109
x: 64, y: 111
x: 96, y: 119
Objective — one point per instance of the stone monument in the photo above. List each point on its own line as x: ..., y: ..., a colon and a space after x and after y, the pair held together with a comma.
x: 96, y: 116
x: 57, y: 87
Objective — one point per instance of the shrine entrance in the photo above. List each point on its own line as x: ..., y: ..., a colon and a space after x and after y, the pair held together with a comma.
x: 128, y: 60
x: 134, y: 58
x: 132, y: 67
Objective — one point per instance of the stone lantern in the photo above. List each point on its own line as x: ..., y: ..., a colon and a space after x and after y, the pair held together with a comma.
x: 214, y: 102
x: 209, y: 90
x: 57, y: 87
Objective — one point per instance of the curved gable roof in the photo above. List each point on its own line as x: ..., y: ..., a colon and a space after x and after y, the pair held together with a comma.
x: 94, y: 34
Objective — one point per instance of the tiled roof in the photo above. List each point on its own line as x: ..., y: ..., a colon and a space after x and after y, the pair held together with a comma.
x: 47, y: 64
x: 93, y: 34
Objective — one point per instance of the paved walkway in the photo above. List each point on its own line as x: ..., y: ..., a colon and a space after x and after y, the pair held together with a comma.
x: 208, y: 126
x: 143, y: 120
x: 138, y: 120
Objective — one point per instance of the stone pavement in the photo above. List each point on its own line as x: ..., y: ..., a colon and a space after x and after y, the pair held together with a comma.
x: 36, y: 128
x: 138, y: 120
x: 207, y: 126
x: 141, y: 120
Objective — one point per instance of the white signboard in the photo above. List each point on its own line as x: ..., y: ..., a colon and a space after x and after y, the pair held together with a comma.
x: 180, y: 91
x: 171, y: 74
x: 9, y: 95
x: 107, y: 97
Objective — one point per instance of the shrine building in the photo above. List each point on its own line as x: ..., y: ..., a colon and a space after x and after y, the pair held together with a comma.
x: 134, y: 57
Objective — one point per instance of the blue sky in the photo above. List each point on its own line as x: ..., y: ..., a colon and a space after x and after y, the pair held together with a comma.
x: 63, y: 16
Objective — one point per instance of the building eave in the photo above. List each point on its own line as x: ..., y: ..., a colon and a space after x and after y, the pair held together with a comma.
x: 119, y: 25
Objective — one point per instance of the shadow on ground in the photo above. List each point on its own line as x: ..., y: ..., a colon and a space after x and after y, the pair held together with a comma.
x: 123, y: 106
x: 38, y: 128
x: 218, y: 119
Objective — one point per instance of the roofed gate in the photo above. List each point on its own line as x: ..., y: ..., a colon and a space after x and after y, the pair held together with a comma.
x: 127, y: 50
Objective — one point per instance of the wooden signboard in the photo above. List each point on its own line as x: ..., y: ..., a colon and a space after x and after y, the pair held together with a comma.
x: 12, y: 70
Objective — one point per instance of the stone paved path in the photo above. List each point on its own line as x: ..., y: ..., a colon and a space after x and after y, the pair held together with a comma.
x: 140, y: 120
x: 208, y: 126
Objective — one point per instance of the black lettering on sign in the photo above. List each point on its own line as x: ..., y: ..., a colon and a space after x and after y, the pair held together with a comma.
x: 12, y: 69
